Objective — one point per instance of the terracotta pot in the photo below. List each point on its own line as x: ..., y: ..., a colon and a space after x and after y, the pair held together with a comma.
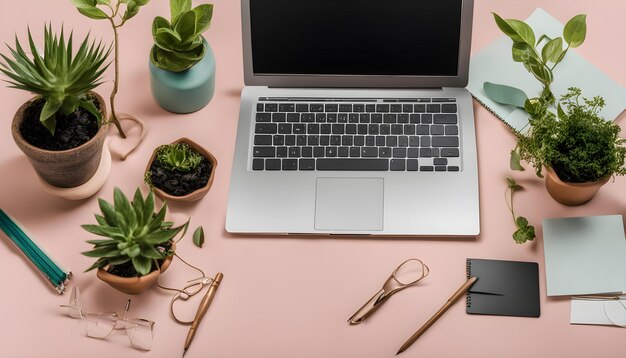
x: 134, y: 285
x: 571, y: 193
x: 197, y: 194
x: 65, y: 168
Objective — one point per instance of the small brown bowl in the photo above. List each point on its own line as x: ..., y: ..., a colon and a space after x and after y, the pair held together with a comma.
x: 197, y: 194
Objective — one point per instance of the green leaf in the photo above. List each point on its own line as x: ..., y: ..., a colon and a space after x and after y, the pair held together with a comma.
x: 47, y: 116
x: 517, y: 30
x: 521, y: 51
x: 560, y: 112
x: 106, y: 231
x: 108, y: 212
x: 575, y: 30
x: 91, y: 108
x: 102, y: 242
x: 186, y: 26
x: 552, y: 50
x: 106, y: 251
x: 521, y: 222
x: 100, y: 263
x: 504, y: 94
x: 177, y: 7
x: 148, y: 207
x: 167, y: 39
x: 150, y: 252
x: 93, y: 13
x: 132, y: 9
x: 132, y: 251
x: 123, y: 207
x: 204, y: 14
x: 138, y: 208
x: 198, y: 236
x: 101, y: 220
x: 84, y: 3
x: 515, y: 161
x: 524, y: 234
x: 142, y: 265
x: 161, y: 236
x: 159, y: 23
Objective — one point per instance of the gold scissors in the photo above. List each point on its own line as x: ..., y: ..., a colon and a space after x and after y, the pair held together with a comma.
x: 407, y: 274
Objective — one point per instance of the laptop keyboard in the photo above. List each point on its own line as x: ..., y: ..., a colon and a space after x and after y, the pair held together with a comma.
x: 418, y: 134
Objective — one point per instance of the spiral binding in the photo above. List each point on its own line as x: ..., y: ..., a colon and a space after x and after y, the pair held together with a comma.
x: 468, y: 270
x: 497, y: 115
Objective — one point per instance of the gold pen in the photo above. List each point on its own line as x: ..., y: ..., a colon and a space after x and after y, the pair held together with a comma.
x: 455, y: 297
x: 204, y: 306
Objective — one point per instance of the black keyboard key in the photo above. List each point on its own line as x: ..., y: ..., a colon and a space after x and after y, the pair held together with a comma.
x: 425, y: 153
x: 407, y: 108
x: 436, y: 129
x: 369, y: 108
x: 284, y: 128
x: 453, y: 168
x: 403, y: 141
x: 331, y: 117
x: 364, y: 118
x: 307, y: 117
x: 444, y: 100
x: 286, y: 107
x: 347, y: 140
x: 440, y: 168
x: 384, y: 152
x: 440, y: 161
x: 302, y: 107
x: 345, y: 107
x: 425, y: 141
x: 419, y: 108
x: 290, y: 140
x: 427, y: 118
x: 353, y: 118
x: 335, y: 140
x: 411, y: 165
x: 290, y: 164
x: 263, y: 139
x: 433, y: 108
x: 258, y: 164
x: 390, y: 118
x: 399, y: 152
x: 355, y: 152
x: 395, y: 108
x: 382, y: 108
x: 316, y: 107
x: 397, y: 165
x: 259, y: 108
x: 325, y: 129
x: 271, y: 107
x: 331, y: 152
x: 343, y: 152
x: 306, y: 164
x: 376, y: 118
x: 307, y: 152
x: 396, y: 129
x: 358, y: 108
x: 281, y: 152
x: 426, y: 168
x: 263, y: 117
x: 342, y: 118
x: 409, y: 129
x: 434, y: 152
x: 339, y: 128
x: 320, y: 117
x: 324, y: 140
x: 353, y: 164
x: 293, y: 117
x: 392, y: 141
x: 380, y: 141
x: 448, y: 108
x: 445, y: 118
x: 359, y: 140
x: 313, y: 128
x: 423, y: 129
x: 414, y: 141
x: 331, y: 107
x: 403, y: 118
x: 318, y: 152
x: 266, y: 128
x: 385, y: 129
x: 412, y: 152
x: 414, y: 118
x: 368, y: 152
x: 449, y: 152
x: 272, y: 164
x: 294, y: 152
x: 264, y: 152
x: 373, y: 129
x: 299, y: 128
x: 370, y: 140
x: 446, y: 141
x: 452, y: 130
x: 350, y: 128
x: 362, y: 129
x: 314, y: 140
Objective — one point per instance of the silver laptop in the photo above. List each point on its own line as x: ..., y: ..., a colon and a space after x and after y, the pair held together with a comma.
x: 355, y: 120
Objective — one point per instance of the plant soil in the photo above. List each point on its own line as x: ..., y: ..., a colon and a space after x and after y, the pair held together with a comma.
x: 177, y: 183
x: 71, y: 131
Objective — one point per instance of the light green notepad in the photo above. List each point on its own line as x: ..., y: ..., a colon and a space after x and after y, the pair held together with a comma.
x: 495, y: 64
x: 585, y: 255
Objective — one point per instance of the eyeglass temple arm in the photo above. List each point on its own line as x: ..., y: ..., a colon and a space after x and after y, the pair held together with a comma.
x: 370, y: 306
x: 126, y: 309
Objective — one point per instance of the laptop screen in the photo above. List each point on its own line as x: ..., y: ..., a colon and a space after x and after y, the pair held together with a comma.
x: 355, y: 37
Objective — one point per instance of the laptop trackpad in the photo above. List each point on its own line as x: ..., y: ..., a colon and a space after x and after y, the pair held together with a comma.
x: 351, y: 204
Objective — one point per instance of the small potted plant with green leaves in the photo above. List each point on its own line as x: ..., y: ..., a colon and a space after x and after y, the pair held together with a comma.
x: 182, y: 64
x: 578, y: 148
x: 62, y: 129
x: 181, y: 171
x: 139, y: 242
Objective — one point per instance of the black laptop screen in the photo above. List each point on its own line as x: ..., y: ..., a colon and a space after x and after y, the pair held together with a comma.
x: 355, y: 37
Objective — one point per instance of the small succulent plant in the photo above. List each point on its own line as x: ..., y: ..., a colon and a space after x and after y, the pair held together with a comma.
x: 179, y: 157
x: 135, y: 233
x: 59, y: 76
x: 178, y: 43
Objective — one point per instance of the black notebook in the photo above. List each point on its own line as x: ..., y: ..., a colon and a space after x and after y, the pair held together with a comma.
x: 503, y: 288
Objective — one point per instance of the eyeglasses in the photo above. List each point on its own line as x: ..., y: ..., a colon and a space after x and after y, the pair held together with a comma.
x: 613, y: 307
x: 407, y: 274
x: 100, y: 325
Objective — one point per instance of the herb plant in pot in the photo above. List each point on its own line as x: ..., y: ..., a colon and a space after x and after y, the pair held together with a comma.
x: 182, y: 64
x: 578, y: 148
x: 181, y: 171
x: 139, y: 242
x: 61, y: 130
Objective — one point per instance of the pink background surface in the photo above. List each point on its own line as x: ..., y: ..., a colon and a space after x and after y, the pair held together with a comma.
x: 287, y: 297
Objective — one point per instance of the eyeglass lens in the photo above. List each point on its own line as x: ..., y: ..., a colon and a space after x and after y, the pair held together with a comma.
x: 140, y: 334
x: 99, y: 325
x: 410, y: 272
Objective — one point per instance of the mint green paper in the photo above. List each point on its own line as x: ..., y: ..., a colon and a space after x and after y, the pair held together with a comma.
x: 495, y: 64
x: 505, y: 94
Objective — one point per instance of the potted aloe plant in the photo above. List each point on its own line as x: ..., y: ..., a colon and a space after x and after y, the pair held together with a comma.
x: 182, y: 64
x: 62, y: 129
x: 139, y: 242
x: 181, y: 171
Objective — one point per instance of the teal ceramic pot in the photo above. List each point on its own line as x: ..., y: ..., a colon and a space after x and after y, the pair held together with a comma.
x: 187, y: 91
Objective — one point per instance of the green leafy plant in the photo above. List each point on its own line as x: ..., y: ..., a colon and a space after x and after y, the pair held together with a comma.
x: 541, y: 62
x: 135, y: 233
x: 94, y: 10
x: 576, y: 142
x: 524, y: 231
x: 59, y: 76
x: 179, y: 157
x: 178, y: 43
